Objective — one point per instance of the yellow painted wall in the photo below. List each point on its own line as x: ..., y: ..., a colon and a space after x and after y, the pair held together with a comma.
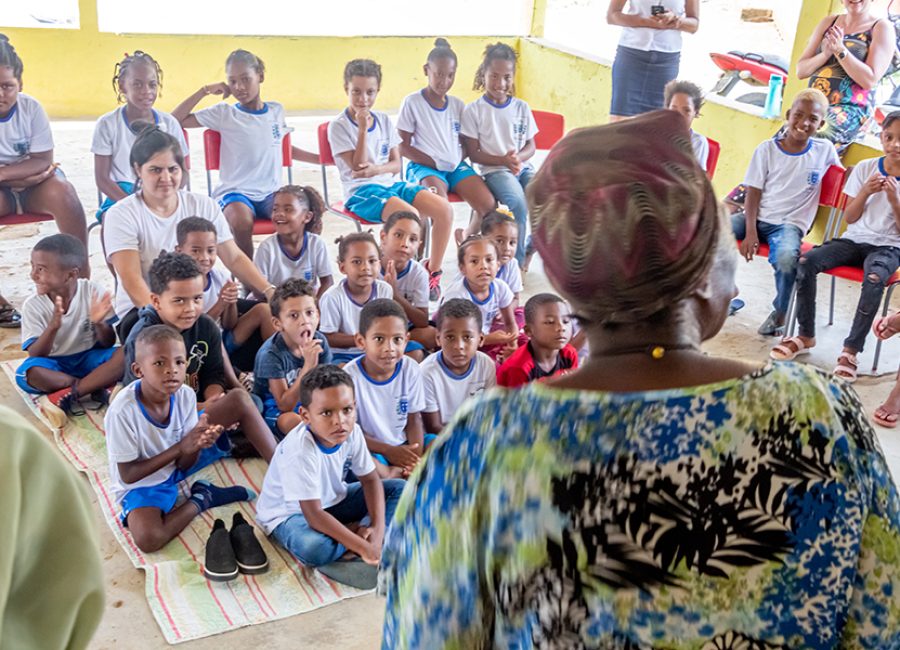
x: 70, y: 71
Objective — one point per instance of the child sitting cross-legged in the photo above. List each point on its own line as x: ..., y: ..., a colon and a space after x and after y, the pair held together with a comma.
x: 389, y: 392
x: 176, y: 299
x: 244, y: 322
x: 155, y: 440
x: 458, y: 370
x: 294, y: 350
x: 65, y: 332
x: 306, y: 504
x: 548, y: 352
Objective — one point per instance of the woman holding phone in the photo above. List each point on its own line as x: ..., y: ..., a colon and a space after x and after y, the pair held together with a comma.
x: 649, y: 51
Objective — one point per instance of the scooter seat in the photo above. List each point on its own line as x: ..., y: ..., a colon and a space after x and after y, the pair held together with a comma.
x: 766, y: 59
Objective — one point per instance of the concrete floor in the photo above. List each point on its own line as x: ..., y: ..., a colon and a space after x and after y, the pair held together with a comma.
x: 352, y: 624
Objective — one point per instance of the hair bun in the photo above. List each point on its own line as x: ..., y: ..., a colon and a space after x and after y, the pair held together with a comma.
x: 442, y: 42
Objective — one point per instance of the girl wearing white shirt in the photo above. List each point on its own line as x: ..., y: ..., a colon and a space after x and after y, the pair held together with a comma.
x: 139, y: 227
x: 429, y: 123
x: 252, y: 131
x: 27, y: 170
x: 137, y: 80
x: 649, y: 51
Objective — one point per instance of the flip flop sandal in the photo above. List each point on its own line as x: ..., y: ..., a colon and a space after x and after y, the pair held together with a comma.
x: 847, y: 368
x: 736, y: 305
x: 786, y: 352
x: 9, y: 317
x: 885, y: 420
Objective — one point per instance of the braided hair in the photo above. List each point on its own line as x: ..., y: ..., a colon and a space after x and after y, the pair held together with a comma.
x: 9, y: 58
x: 122, y: 67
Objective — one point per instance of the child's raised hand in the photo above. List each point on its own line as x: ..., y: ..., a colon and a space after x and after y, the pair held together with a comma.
x: 100, y: 306
x: 311, y: 349
x: 390, y: 274
x: 218, y: 88
x: 58, y: 311
x: 229, y: 292
x: 362, y: 117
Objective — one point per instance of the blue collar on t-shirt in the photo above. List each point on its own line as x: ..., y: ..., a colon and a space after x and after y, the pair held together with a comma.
x: 472, y: 295
x: 323, y: 448
x: 360, y: 304
x: 353, y: 122
x: 161, y: 425
x: 439, y: 110
x: 449, y: 372
x: 261, y: 111
x: 362, y: 369
x: 128, y: 124
x: 503, y: 105
x: 302, y: 248
x: 881, y: 168
x: 809, y: 144
x: 12, y: 112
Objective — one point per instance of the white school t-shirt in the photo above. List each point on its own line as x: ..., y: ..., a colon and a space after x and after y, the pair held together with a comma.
x: 446, y: 391
x: 250, y: 157
x: 511, y: 274
x: 113, y: 137
x: 301, y: 470
x: 499, y: 297
x: 647, y: 38
x: 412, y: 282
x: 381, y: 137
x: 215, y: 280
x: 76, y: 333
x: 277, y: 266
x: 129, y: 225
x: 339, y: 313
x: 498, y: 129
x: 877, y: 225
x: 790, y: 183
x: 700, y: 145
x: 383, y: 408
x: 435, y: 131
x: 132, y: 435
x: 25, y: 130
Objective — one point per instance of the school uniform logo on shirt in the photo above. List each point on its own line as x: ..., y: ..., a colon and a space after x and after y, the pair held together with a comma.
x: 276, y: 133
x: 456, y: 127
x: 86, y: 325
x: 403, y: 406
x: 382, y: 149
x: 814, y: 177
x: 307, y: 275
x: 23, y: 148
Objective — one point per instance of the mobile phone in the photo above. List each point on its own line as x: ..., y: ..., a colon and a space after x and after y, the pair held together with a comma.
x: 656, y: 10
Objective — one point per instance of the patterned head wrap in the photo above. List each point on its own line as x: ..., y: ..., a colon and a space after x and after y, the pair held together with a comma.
x: 624, y: 218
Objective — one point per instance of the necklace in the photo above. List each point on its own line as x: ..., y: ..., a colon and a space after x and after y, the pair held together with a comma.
x: 655, y: 351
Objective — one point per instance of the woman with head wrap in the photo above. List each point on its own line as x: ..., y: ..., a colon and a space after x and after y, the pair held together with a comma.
x: 657, y: 497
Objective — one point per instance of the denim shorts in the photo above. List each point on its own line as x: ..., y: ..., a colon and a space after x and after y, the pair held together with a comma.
x: 638, y: 80
x: 416, y: 173
x: 367, y: 201
x: 261, y: 209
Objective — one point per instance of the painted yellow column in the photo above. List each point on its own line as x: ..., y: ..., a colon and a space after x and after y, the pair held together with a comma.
x: 811, y: 13
x: 538, y: 19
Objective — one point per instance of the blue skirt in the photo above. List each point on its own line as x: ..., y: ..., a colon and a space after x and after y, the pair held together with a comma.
x: 638, y: 80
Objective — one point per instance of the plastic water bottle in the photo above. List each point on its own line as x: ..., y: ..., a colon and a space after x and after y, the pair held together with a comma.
x: 773, y: 99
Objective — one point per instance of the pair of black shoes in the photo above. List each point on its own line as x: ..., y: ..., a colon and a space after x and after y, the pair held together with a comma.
x: 228, y: 554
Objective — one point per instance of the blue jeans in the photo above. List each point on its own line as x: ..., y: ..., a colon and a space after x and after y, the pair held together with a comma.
x: 784, y: 251
x: 510, y: 191
x: 313, y: 548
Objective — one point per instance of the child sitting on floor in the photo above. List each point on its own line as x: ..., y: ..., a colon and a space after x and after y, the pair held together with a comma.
x: 244, y: 322
x: 400, y: 240
x: 176, y: 299
x: 294, y: 350
x: 458, y: 370
x: 66, y: 333
x: 500, y: 227
x: 389, y: 391
x: 339, y: 307
x: 155, y: 440
x: 478, y: 282
x: 307, y: 505
x: 686, y: 98
x: 783, y: 184
x: 296, y: 250
x: 548, y: 352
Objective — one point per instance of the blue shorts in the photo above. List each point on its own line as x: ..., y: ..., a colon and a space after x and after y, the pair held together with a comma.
x: 75, y: 365
x: 165, y: 494
x: 260, y: 209
x: 271, y: 413
x: 413, y: 346
x: 128, y: 188
x: 416, y: 173
x: 429, y: 438
x: 367, y: 201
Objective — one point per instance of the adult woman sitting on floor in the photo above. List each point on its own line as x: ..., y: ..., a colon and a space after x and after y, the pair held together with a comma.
x: 657, y: 497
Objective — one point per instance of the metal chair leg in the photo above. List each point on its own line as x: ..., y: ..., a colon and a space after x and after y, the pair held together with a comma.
x: 831, y: 304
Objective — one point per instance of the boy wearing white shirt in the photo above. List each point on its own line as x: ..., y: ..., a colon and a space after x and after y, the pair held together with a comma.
x: 306, y: 505
x: 872, y: 241
x: 783, y: 184
x: 389, y: 392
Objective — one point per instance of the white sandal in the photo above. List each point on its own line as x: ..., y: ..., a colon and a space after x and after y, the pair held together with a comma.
x: 847, y: 367
x: 785, y: 353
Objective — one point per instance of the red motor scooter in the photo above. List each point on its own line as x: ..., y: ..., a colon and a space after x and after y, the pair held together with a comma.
x: 750, y: 67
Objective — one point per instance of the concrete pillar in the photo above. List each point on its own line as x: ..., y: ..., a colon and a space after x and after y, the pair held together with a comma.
x: 538, y: 18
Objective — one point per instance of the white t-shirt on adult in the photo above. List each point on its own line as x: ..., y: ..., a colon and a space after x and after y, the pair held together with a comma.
x: 339, y: 313
x: 499, y: 297
x: 131, y: 434
x: 215, y: 280
x: 113, y: 137
x: 76, y: 333
x: 277, y: 266
x: 250, y: 157
x: 412, y: 282
x: 499, y: 129
x: 384, y: 407
x: 878, y: 224
x: 301, y: 470
x: 700, y: 145
x: 647, y: 39
x: 435, y: 131
x: 445, y: 391
x: 129, y: 225
x: 25, y: 130
x: 381, y: 137
x: 790, y: 183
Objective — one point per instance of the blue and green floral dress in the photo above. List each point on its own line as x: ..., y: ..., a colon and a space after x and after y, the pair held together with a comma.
x: 754, y: 513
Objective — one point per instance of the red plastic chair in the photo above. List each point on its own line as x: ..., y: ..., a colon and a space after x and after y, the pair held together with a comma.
x: 212, y: 149
x: 712, y: 159
x: 551, y: 129
x: 326, y: 159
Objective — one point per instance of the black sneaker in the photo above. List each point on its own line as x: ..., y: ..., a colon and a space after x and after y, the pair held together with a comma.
x: 251, y: 558
x: 219, y: 564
